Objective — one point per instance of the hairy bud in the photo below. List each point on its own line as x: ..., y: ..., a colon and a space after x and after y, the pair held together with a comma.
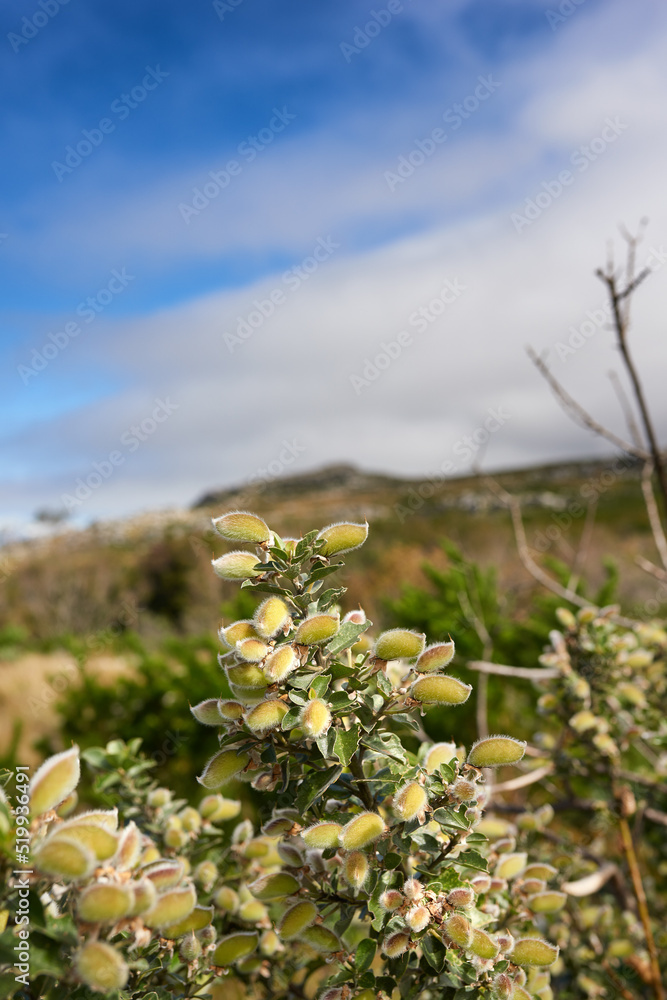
x: 413, y: 889
x: 435, y: 657
x: 280, y: 664
x: 65, y: 858
x: 510, y: 865
x: 534, y: 951
x: 208, y: 712
x: 170, y: 907
x: 271, y: 616
x: 322, y: 835
x: 217, y: 809
x: 418, y: 918
x: 440, y: 753
x: 480, y: 884
x: 205, y: 874
x: 233, y: 947
x: 296, y: 919
x: 539, y: 869
x: 399, y: 643
x: 464, y: 790
x: 222, y: 768
x: 252, y: 650
x: 410, y: 800
x: 315, y: 718
x: 342, y: 537
x: 237, y: 565
x: 252, y: 912
x: 316, y: 629
x: 395, y: 944
x: 266, y: 716
x: 226, y: 899
x: 190, y: 948
x: 502, y: 986
x: 54, y: 781
x: 100, y: 840
x: 275, y: 886
x: 243, y: 629
x: 143, y: 896
x: 101, y: 967
x: 461, y: 896
x: 391, y: 899
x: 482, y: 944
x: 361, y: 831
x: 440, y: 689
x: 242, y: 526
x: 247, y: 675
x: 547, y: 902
x: 496, y: 751
x: 321, y: 939
x: 104, y: 903
x: 355, y: 869
x: 458, y: 930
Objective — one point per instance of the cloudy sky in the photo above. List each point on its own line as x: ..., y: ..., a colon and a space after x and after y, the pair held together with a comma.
x: 249, y: 238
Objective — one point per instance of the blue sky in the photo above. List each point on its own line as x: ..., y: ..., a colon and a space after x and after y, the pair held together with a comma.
x: 316, y: 111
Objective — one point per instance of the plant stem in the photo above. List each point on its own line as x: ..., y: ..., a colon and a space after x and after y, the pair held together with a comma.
x: 640, y: 896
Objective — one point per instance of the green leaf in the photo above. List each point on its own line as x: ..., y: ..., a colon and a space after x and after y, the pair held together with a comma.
x: 345, y: 637
x: 302, y: 681
x: 325, y: 744
x: 447, y: 817
x: 434, y: 952
x: 314, y: 785
x: 320, y: 686
x: 387, y: 744
x: 365, y: 954
x: 291, y: 719
x: 346, y: 743
x: 339, y: 700
x: 392, y: 860
x: 321, y: 571
x: 386, y: 983
x: 471, y: 859
x: 367, y: 981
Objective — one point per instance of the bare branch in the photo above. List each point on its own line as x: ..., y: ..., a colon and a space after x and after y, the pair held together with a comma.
x: 653, y: 513
x: 627, y: 409
x: 524, y: 779
x: 656, y: 816
x: 651, y: 568
x: 525, y: 673
x: 577, y: 412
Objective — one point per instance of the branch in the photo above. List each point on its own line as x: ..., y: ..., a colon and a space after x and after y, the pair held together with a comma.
x: 640, y: 895
x: 653, y: 514
x: 526, y: 673
x: 524, y: 779
x: 577, y: 413
x: 651, y: 568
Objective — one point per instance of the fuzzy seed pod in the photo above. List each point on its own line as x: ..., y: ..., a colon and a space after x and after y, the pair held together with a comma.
x: 410, y: 800
x: 413, y: 889
x: 164, y: 874
x: 355, y: 869
x: 205, y: 874
x: 315, y: 718
x: 632, y: 694
x: 361, y: 831
x: 357, y: 616
x: 176, y: 839
x: 247, y: 675
x: 266, y: 716
x: 277, y: 826
x: 480, y: 884
x: 435, y: 657
x: 502, y: 986
x: 440, y: 689
x: 496, y: 751
x: 269, y: 943
x: 391, y: 899
x: 271, y: 616
x: 256, y: 848
x: 208, y: 712
x: 190, y: 948
x: 547, y: 902
x: 532, y: 885
x: 248, y: 696
x: 159, y: 797
x: 222, y: 768
x: 583, y: 720
x: 238, y: 565
x: 417, y: 918
x: 458, y: 930
x: 316, y: 629
x: 342, y: 537
x: 64, y: 858
x: 399, y: 643
x: 605, y: 744
x: 290, y: 853
x: 322, y: 835
x: 104, y: 903
x: 217, y: 809
x: 510, y: 865
x: 296, y: 919
x: 234, y: 947
x: 243, y: 629
x: 505, y: 845
x: 280, y: 664
x: 253, y: 911
x: 461, y: 896
x: 505, y: 941
x: 171, y: 907
x: 190, y: 819
x: 143, y: 896
x: 534, y: 951
x: 395, y: 944
x: 129, y: 848
x: 276, y: 886
x: 242, y: 526
x: 54, y: 781
x: 321, y: 939
x: 334, y: 993
x: 68, y: 805
x: 226, y: 899
x: 540, y: 870
x: 519, y: 993
x: 494, y: 827
x: 463, y: 790
x: 483, y: 945
x: 252, y: 650
x: 101, y: 967
x: 440, y: 753
x: 101, y: 841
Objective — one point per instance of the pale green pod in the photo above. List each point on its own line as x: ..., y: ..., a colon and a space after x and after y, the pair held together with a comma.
x: 252, y: 650
x: 391, y: 899
x: 247, y: 696
x: 65, y: 858
x: 227, y: 899
x: 159, y: 797
x: 206, y: 873
x: 164, y: 874
x: 321, y: 939
x: 296, y: 919
x: 144, y: 895
x: 417, y: 918
x: 439, y: 753
x: 494, y: 827
x: 234, y: 947
x: 277, y: 826
x: 583, y: 720
x: 266, y: 716
x: 322, y: 835
x: 534, y: 951
x: 101, y: 967
x: 315, y: 718
x: 361, y: 831
x: 461, y: 896
x: 54, y: 781
x: 632, y: 694
x: 217, y: 809
x: 105, y: 902
x: 67, y: 805
x: 222, y: 768
x: 496, y: 751
x: 242, y: 526
x: 269, y: 943
x: 316, y: 629
x: 435, y: 657
x: 238, y: 565
x: 547, y: 902
x: 108, y: 818
x: 271, y: 616
x: 171, y: 907
x: 290, y: 853
x: 253, y: 911
x: 280, y: 664
x: 519, y: 993
x: 230, y: 711
x: 190, y: 819
x: 243, y: 629
x: 410, y: 800
x: 190, y: 948
x: 101, y: 841
x: 395, y: 944
x: 342, y: 537
x: 511, y: 865
x: 275, y: 886
x: 440, y: 689
x: 459, y: 930
x: 129, y: 847
x: 399, y: 643
x: 482, y: 944
x: 247, y: 675
x: 208, y: 712
x: 355, y: 869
